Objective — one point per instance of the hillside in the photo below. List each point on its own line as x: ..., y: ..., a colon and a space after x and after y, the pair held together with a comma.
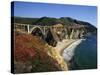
x: 66, y: 21
x: 33, y: 55
x: 24, y: 20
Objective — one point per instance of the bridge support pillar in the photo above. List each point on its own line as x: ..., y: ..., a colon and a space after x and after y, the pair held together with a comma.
x: 44, y: 32
x: 72, y: 33
x: 28, y: 29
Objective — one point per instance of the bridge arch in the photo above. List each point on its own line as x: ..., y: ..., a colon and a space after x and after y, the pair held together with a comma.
x: 38, y: 31
x: 36, y: 27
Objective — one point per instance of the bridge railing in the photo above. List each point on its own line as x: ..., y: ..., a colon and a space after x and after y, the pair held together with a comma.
x: 70, y: 26
x: 22, y: 27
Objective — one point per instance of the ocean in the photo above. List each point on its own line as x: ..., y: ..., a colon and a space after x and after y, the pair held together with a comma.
x: 82, y: 54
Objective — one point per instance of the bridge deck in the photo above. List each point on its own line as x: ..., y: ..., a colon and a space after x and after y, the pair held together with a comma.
x: 72, y: 26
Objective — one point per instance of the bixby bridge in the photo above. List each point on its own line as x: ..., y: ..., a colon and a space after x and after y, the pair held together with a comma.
x: 58, y: 32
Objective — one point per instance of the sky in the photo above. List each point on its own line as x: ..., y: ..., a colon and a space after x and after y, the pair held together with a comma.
x: 37, y: 10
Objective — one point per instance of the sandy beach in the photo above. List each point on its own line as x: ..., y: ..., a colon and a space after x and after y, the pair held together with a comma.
x: 64, y: 44
x: 58, y: 50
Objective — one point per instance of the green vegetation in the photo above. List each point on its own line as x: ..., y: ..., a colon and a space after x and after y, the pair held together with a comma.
x: 24, y: 20
x: 49, y: 21
x: 67, y: 20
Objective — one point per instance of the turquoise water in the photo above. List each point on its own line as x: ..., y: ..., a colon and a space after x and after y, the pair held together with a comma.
x: 84, y: 55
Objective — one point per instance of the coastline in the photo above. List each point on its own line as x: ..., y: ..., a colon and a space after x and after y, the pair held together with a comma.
x: 59, y: 49
x: 68, y: 52
x: 64, y: 44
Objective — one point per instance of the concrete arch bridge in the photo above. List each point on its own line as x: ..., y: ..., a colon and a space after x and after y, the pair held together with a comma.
x: 53, y: 33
